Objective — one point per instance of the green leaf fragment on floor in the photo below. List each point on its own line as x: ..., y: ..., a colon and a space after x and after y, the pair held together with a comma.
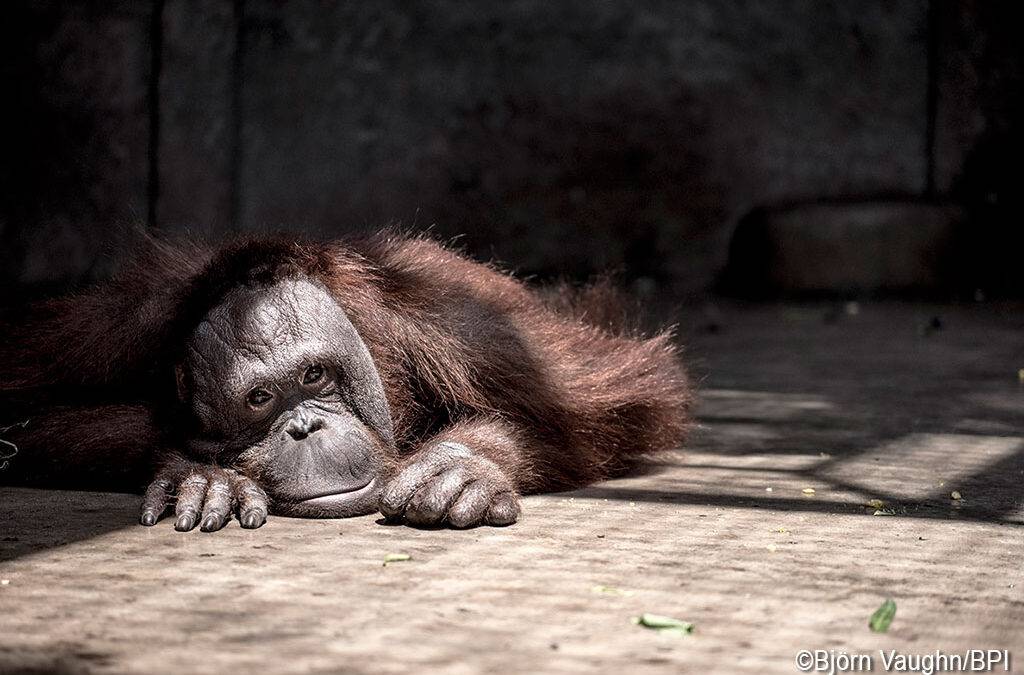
x: 880, y: 620
x: 665, y: 625
x: 396, y: 557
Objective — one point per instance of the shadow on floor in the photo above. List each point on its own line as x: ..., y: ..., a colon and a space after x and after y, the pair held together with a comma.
x: 934, y: 510
x: 35, y: 520
x: 58, y: 659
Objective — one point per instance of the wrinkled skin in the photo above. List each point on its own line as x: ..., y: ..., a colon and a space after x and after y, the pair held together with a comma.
x: 292, y: 420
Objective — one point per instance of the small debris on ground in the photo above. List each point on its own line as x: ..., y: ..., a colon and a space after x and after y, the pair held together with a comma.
x: 396, y: 557
x: 611, y: 590
x: 955, y: 495
x: 876, y: 503
x: 808, y: 491
x: 665, y: 625
x: 5, y: 582
x: 880, y: 620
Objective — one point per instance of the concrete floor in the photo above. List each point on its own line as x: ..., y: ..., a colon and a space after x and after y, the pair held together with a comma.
x: 882, y: 404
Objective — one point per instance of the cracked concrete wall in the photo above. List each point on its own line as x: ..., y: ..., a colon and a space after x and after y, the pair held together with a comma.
x: 560, y: 138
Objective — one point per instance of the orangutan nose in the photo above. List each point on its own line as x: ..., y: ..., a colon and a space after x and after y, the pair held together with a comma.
x: 303, y: 424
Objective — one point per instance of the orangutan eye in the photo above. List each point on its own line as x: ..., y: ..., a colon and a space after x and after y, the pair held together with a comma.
x: 313, y: 374
x: 258, y: 397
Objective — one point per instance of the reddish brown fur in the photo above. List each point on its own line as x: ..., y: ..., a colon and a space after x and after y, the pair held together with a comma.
x: 553, y: 389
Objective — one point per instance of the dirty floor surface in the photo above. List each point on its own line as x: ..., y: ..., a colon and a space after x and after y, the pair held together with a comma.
x: 903, y: 404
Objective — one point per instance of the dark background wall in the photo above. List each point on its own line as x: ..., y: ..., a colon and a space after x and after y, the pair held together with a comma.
x: 560, y: 137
